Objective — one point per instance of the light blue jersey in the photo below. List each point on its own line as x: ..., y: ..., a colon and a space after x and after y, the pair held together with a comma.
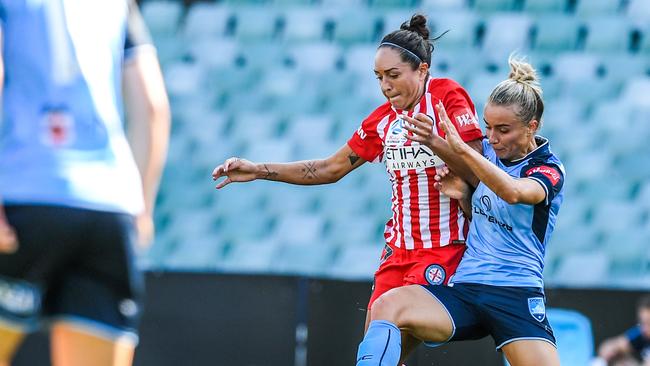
x: 62, y: 140
x: 506, y: 243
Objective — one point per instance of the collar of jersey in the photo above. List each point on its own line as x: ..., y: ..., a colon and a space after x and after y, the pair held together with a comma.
x: 541, y: 149
x: 426, y: 88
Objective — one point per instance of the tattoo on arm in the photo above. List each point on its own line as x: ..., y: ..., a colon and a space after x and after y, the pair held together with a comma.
x: 269, y: 174
x: 309, y: 169
x: 353, y: 158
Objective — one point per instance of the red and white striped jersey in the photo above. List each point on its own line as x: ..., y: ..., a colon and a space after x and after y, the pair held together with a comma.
x: 422, y: 216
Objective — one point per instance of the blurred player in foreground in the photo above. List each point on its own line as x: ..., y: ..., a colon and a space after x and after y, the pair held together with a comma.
x: 73, y: 202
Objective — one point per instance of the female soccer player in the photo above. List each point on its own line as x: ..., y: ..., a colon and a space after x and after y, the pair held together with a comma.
x: 497, y: 289
x: 425, y: 237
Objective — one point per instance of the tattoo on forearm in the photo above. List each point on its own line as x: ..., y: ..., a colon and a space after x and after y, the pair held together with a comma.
x: 269, y: 174
x: 353, y: 158
x: 309, y: 169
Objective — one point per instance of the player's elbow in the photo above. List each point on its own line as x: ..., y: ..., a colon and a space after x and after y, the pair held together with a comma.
x: 512, y: 196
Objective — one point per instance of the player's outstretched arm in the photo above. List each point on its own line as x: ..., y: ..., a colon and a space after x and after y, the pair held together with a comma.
x: 306, y: 172
x: 511, y: 190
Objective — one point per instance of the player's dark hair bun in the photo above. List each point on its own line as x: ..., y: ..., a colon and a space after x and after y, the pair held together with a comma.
x: 417, y: 24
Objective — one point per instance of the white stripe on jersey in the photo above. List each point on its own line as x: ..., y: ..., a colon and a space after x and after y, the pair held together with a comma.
x: 443, y: 224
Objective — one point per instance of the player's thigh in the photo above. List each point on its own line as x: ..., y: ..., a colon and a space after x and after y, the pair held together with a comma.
x: 74, y: 345
x: 415, y: 311
x: 534, y: 352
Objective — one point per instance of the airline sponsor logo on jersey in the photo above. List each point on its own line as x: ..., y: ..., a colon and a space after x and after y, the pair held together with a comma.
x: 410, y: 157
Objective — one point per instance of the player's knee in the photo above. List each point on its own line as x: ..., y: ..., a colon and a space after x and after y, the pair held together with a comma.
x: 389, y: 306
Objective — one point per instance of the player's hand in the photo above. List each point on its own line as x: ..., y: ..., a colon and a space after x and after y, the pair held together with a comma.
x: 421, y: 129
x: 235, y: 170
x: 8, y: 238
x: 451, y: 135
x: 450, y: 184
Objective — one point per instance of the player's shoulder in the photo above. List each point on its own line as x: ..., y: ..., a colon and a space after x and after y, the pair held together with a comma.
x: 378, y: 114
x: 444, y: 85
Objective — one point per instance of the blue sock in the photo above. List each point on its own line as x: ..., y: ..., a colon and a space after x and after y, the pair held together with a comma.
x: 381, y: 346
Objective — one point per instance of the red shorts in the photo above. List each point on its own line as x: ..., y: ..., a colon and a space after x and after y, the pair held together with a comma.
x: 401, y: 267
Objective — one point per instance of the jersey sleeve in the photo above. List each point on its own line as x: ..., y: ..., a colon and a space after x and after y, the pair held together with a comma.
x: 366, y: 141
x: 137, y: 35
x: 462, y: 113
x: 549, y: 175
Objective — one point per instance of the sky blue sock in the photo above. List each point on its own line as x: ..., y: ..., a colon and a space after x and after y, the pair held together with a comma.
x: 381, y: 346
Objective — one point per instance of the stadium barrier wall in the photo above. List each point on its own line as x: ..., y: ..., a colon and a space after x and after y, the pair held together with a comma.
x: 212, y: 319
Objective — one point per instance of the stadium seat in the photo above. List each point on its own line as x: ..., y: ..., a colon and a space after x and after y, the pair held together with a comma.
x: 627, y: 250
x: 500, y: 44
x: 555, y: 32
x: 162, y: 17
x: 354, y: 229
x: 590, y: 90
x: 608, y: 34
x: 310, y: 129
x: 300, y: 229
x: 392, y: 20
x: 636, y: 91
x: 431, y: 7
x: 281, y: 199
x: 213, y: 52
x: 304, y: 24
x: 262, y: 56
x: 356, y: 261
x: 638, y: 11
x: 206, y: 20
x: 571, y: 270
x: 276, y: 82
x: 316, y: 56
x: 279, y: 150
x: 611, y: 214
x: 254, y: 127
x: 482, y: 85
x: 576, y: 66
x: 392, y: 3
x: 573, y: 335
x: 544, y: 6
x: 622, y: 66
x: 255, y: 23
x: 250, y: 257
x: 355, y: 25
x: 184, y: 78
x: 311, y: 260
x: 589, y: 8
x: 462, y: 26
x: 486, y: 6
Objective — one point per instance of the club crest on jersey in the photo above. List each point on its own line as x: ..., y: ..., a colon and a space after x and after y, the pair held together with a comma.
x: 537, y: 308
x: 435, y: 274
